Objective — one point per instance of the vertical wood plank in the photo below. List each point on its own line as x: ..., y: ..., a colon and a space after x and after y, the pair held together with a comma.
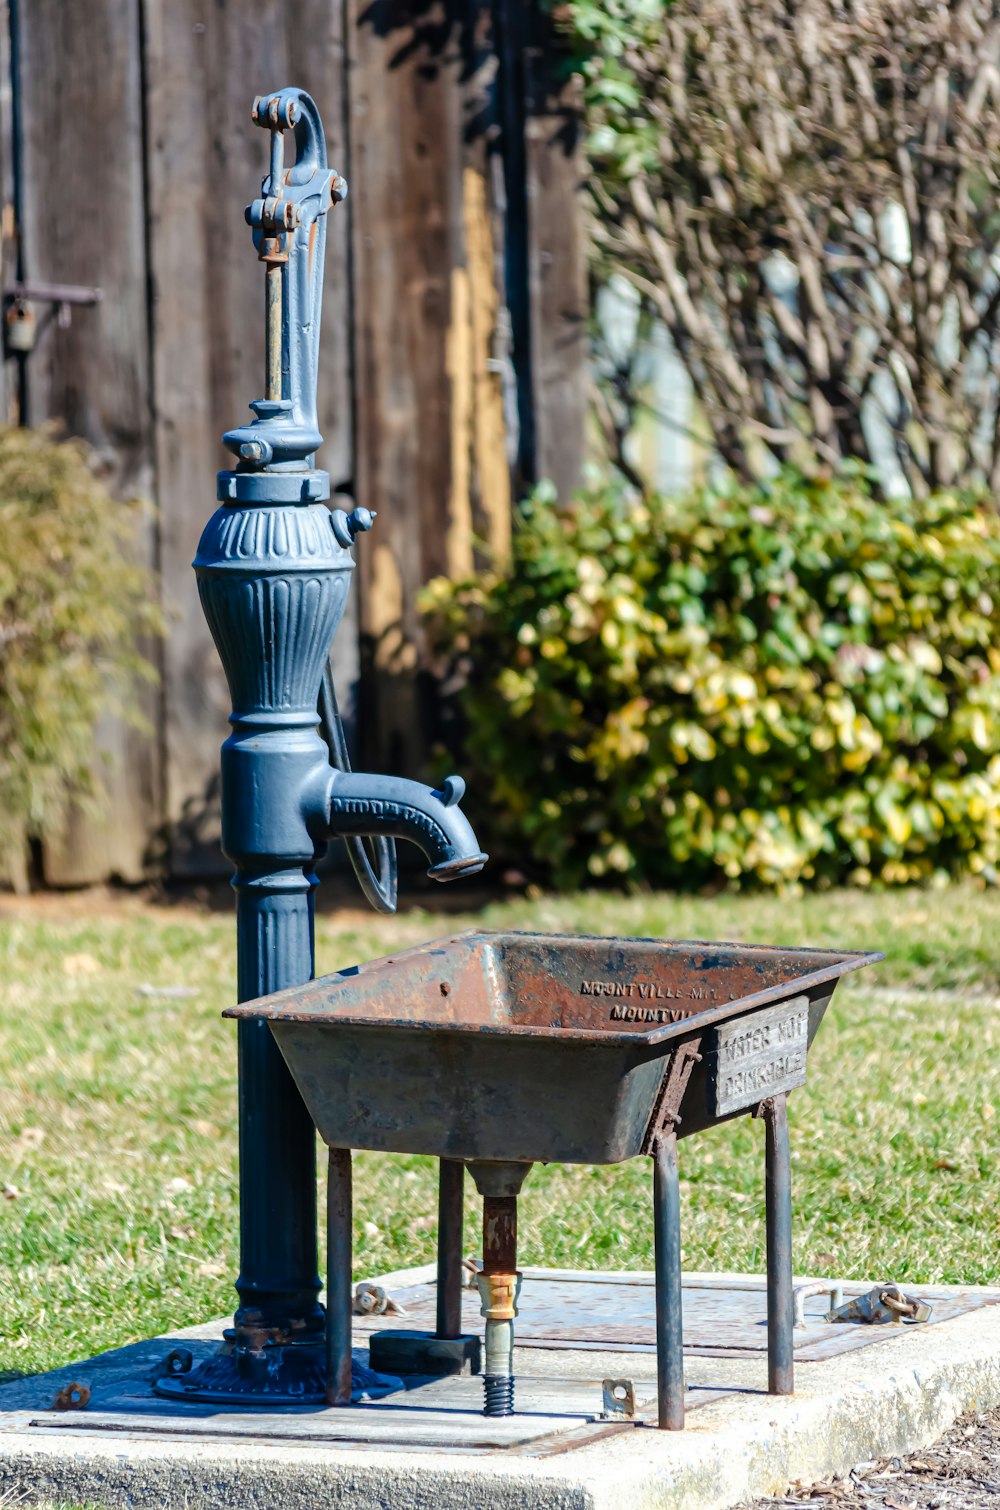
x: 14, y: 867
x: 81, y: 172
x: 557, y: 255
x: 405, y: 104
x: 204, y: 65
x: 431, y: 442
x: 490, y: 440
x: 8, y: 227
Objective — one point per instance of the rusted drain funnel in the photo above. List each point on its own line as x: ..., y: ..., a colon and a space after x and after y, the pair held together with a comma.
x: 499, y: 1283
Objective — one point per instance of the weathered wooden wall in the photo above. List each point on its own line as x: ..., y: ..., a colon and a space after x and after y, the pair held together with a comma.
x: 81, y: 219
x: 453, y: 340
x: 429, y: 345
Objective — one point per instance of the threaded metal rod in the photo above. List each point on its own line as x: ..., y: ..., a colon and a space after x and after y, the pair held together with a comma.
x: 498, y: 1394
x: 498, y: 1289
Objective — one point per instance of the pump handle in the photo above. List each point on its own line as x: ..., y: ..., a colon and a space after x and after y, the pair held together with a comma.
x: 378, y: 882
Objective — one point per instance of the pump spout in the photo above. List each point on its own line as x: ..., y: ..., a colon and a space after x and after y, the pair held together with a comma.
x: 361, y: 804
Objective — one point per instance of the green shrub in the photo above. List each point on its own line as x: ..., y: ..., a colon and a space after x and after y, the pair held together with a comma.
x: 782, y: 684
x: 71, y: 607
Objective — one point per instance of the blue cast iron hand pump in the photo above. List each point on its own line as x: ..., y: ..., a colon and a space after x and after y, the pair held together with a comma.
x: 274, y: 567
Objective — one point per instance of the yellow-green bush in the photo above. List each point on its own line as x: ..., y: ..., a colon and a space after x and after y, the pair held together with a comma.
x: 786, y: 684
x: 71, y: 607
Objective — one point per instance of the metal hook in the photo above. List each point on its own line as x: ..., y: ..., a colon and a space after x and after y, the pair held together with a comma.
x: 378, y: 882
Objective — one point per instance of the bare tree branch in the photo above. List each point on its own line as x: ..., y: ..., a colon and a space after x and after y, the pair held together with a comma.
x: 817, y: 204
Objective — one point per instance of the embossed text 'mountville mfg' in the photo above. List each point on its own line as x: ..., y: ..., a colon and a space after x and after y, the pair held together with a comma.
x: 647, y: 990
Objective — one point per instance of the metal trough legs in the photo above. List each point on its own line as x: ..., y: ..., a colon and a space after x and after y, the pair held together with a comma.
x: 778, y: 1207
x: 449, y: 1261
x: 667, y: 1248
x: 339, y: 1214
x: 667, y: 1241
x: 500, y: 1282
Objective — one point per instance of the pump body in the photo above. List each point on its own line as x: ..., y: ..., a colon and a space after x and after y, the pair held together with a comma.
x: 274, y: 568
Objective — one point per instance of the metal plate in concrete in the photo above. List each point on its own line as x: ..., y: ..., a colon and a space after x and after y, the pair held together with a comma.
x: 553, y: 1415
x: 723, y: 1318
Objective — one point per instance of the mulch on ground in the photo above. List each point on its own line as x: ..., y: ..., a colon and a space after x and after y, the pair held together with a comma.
x: 959, y: 1472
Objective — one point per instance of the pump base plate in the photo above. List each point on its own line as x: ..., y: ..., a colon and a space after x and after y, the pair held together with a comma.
x: 275, y: 1375
x: 279, y: 1374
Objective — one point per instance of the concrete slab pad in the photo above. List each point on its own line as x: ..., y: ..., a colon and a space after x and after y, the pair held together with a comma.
x: 431, y: 1447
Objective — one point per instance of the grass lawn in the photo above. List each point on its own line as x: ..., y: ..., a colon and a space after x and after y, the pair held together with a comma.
x: 118, y: 1215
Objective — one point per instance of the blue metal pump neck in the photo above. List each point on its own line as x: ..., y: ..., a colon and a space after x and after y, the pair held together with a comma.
x: 289, y: 231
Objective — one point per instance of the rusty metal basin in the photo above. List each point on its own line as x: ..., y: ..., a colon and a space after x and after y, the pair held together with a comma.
x: 534, y: 1047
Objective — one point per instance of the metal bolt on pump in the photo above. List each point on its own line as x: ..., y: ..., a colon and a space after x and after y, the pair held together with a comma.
x: 274, y: 567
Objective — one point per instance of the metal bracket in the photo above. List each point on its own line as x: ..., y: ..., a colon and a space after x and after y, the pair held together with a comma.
x: 372, y: 1300
x: 19, y: 318
x: 72, y: 1397
x: 53, y: 293
x: 666, y: 1112
x: 619, y: 1399
x: 180, y: 1360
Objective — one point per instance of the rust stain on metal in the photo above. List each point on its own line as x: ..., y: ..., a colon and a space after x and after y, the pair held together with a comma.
x: 499, y: 1234
x: 72, y: 1397
x: 567, y: 1441
x: 559, y: 985
x: 257, y: 1338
